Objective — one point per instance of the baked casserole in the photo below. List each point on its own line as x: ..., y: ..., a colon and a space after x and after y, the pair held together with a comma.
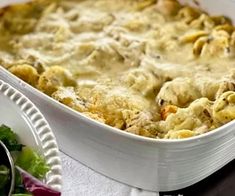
x: 155, y: 68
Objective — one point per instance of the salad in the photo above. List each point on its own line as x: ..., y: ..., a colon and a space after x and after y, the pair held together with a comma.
x: 24, y: 157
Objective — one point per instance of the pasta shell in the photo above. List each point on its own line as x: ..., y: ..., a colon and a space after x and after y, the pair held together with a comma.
x: 199, y: 44
x: 193, y: 36
x: 233, y: 39
x: 226, y: 27
x: 140, y: 5
x: 168, y: 7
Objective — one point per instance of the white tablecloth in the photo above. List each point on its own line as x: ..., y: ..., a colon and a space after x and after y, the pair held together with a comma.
x: 78, y: 180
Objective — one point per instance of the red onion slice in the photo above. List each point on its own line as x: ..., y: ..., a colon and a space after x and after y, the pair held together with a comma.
x: 35, y: 186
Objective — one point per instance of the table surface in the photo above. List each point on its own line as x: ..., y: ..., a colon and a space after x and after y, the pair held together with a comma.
x: 82, y: 181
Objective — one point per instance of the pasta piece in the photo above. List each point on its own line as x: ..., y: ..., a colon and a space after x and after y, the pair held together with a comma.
x: 68, y: 96
x: 204, y: 22
x: 203, y: 86
x: 143, y: 80
x: 197, y: 117
x: 26, y: 72
x: 136, y: 25
x: 139, y: 123
x: 232, y: 43
x: 53, y: 78
x: 149, y: 67
x: 193, y: 36
x: 103, y: 56
x: 188, y: 14
x: 168, y: 7
x: 181, y: 134
x: 199, y: 45
x: 221, y: 20
x: 224, y: 108
x: 142, y: 4
x: 219, y: 45
x: 225, y: 27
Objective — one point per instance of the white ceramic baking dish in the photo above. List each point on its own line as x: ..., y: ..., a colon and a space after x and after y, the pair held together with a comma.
x: 157, y: 165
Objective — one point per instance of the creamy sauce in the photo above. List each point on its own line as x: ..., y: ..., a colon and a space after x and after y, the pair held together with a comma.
x: 125, y: 63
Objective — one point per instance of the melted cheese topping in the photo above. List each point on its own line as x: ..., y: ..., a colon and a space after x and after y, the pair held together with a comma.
x: 153, y: 68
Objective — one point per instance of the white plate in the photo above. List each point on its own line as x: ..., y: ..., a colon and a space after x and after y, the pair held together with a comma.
x: 19, y: 113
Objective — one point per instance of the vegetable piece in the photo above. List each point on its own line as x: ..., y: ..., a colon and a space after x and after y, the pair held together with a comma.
x: 4, y: 176
x: 9, y: 138
x: 167, y: 110
x: 30, y: 161
x: 26, y: 158
x: 36, y: 187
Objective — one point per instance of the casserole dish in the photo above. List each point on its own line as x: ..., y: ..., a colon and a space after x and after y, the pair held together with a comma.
x: 158, y: 165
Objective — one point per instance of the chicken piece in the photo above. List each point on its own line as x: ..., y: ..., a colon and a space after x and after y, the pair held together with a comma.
x: 136, y: 25
x: 130, y: 50
x: 225, y: 27
x: 103, y: 56
x: 143, y: 80
x: 18, y: 22
x: 179, y: 92
x: 26, y: 72
x: 53, y: 78
x: 208, y: 87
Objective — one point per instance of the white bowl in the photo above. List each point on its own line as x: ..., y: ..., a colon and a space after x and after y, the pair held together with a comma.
x: 157, y: 165
x: 19, y: 113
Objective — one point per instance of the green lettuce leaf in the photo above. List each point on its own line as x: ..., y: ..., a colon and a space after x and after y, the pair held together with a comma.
x: 31, y: 162
x: 9, y: 138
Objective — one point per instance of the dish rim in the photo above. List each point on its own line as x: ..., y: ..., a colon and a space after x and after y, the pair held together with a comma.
x: 43, y: 131
x: 114, y: 130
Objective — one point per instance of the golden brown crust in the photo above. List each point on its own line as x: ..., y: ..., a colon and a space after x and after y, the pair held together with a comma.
x: 26, y: 72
